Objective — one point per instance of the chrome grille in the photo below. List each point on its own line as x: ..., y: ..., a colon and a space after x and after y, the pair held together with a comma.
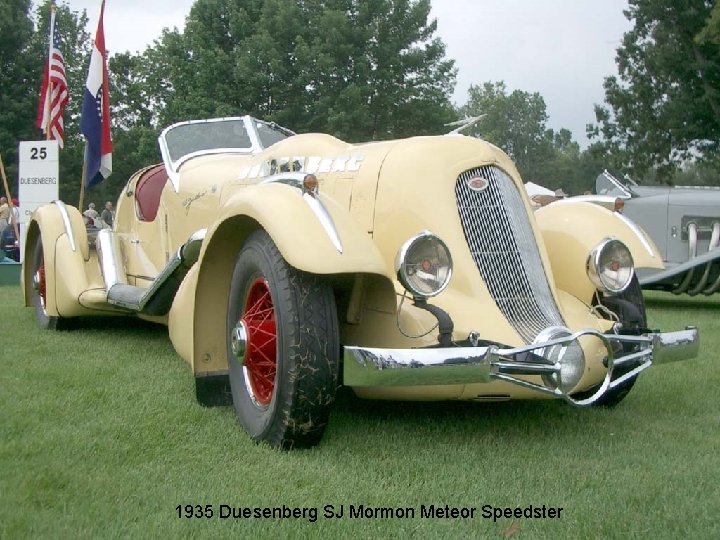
x: 502, y: 244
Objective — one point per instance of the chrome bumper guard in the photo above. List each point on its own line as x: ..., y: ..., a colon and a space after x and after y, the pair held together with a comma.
x: 468, y: 365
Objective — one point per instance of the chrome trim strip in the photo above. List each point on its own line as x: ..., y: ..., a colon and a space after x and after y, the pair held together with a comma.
x: 637, y: 230
x: 714, y: 240
x: 325, y: 219
x: 692, y: 253
x: 110, y: 256
x: 295, y: 179
x: 467, y: 365
x: 66, y: 223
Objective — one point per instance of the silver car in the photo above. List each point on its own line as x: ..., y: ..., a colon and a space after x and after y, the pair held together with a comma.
x: 684, y: 223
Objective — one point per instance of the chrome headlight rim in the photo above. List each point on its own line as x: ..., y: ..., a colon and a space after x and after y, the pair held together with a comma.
x: 401, y: 261
x: 595, y: 271
x: 569, y: 357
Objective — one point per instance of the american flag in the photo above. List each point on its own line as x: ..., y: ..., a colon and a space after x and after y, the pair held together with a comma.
x: 54, y: 90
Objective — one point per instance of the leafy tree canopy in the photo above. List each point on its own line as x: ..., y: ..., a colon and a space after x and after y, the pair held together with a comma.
x: 664, y: 109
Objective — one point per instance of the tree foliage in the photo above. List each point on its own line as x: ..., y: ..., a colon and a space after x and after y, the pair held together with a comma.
x: 370, y: 70
x: 664, y: 109
x: 517, y: 122
x: 17, y: 79
x: 23, y: 53
x: 360, y: 70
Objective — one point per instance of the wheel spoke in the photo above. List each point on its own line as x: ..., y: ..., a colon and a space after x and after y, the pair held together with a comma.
x: 261, y: 356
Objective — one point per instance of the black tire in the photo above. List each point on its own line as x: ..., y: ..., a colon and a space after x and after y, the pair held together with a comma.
x: 630, y: 308
x: 39, y: 288
x: 283, y: 401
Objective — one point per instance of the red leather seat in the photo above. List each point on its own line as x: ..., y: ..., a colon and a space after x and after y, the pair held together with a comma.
x: 148, y: 190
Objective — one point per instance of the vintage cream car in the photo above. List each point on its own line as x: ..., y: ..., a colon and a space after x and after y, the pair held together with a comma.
x: 412, y: 269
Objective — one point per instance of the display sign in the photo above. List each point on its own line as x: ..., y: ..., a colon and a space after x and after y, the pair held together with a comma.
x: 39, y: 172
x: 38, y: 181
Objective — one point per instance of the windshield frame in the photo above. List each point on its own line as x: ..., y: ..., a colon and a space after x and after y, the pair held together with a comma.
x: 625, y: 193
x: 251, y: 128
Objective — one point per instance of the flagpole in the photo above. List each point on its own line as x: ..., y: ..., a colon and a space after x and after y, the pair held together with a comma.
x: 9, y: 198
x: 48, y: 102
x: 82, y: 180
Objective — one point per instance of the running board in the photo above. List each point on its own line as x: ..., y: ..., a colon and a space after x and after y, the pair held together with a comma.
x: 156, y: 299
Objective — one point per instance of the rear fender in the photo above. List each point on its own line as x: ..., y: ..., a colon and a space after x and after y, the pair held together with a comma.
x: 301, y: 238
x: 65, y: 252
x: 571, y: 229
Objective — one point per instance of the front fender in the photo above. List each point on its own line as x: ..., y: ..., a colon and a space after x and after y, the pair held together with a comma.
x: 299, y: 235
x: 571, y: 229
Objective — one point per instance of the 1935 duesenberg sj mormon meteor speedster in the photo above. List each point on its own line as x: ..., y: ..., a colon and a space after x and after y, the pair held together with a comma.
x: 412, y: 269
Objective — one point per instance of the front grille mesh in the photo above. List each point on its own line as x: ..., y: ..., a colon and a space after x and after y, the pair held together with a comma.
x: 502, y: 244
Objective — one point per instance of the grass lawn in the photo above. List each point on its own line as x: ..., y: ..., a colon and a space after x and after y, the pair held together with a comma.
x: 100, y: 437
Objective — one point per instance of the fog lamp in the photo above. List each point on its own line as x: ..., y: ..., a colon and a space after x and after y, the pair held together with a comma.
x: 423, y: 265
x: 610, y: 266
x: 568, y: 356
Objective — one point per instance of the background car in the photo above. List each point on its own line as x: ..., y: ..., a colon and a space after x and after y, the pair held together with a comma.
x: 9, y: 244
x: 412, y: 269
x: 682, y: 221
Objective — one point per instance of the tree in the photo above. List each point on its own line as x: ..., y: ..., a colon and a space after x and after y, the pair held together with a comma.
x: 23, y: 53
x: 516, y: 122
x: 17, y: 81
x: 360, y: 70
x: 664, y: 110
x: 379, y: 72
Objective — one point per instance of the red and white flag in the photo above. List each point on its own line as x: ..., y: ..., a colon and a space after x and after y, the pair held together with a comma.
x: 54, y: 90
x: 95, y: 116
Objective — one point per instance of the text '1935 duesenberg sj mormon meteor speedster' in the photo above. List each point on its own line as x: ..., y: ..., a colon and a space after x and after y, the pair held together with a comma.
x: 411, y: 269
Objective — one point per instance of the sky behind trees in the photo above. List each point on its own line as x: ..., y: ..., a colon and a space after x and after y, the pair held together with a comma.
x: 561, y: 49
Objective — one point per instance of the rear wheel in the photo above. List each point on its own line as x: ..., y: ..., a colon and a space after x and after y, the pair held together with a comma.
x: 629, y: 306
x: 283, y: 347
x: 40, y: 291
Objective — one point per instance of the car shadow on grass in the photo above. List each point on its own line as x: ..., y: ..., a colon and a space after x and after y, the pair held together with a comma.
x: 354, y: 418
x: 114, y: 325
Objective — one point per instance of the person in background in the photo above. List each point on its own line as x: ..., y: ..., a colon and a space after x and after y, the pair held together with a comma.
x: 15, y: 217
x: 4, y: 213
x: 108, y: 214
x: 90, y: 215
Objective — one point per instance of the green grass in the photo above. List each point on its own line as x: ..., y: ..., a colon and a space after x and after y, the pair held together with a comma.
x: 100, y: 436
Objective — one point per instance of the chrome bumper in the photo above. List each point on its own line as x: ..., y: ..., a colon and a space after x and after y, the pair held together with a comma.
x: 468, y: 365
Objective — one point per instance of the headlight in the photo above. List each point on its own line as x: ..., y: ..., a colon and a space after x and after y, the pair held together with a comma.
x: 423, y: 265
x: 610, y: 266
x: 569, y: 355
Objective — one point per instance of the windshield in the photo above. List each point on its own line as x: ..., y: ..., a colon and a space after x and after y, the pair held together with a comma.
x: 269, y: 134
x: 607, y: 184
x: 237, y: 135
x: 187, y: 139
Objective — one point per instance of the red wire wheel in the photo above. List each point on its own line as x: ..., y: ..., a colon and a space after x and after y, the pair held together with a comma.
x: 40, y: 290
x: 260, y: 365
x: 41, y: 286
x: 283, y: 347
